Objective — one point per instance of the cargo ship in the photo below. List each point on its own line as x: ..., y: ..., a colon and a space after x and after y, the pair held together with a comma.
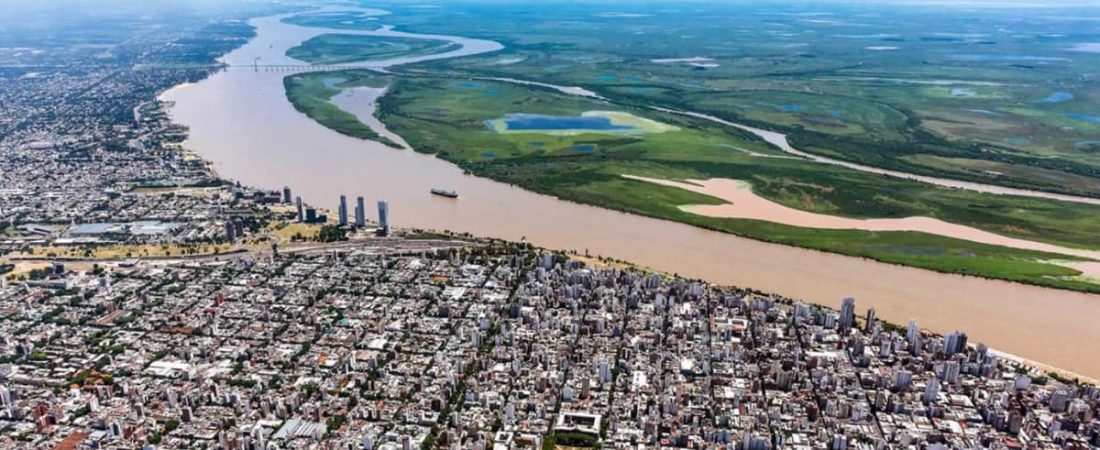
x: 445, y: 193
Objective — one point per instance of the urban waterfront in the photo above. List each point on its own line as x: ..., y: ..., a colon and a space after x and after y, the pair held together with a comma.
x: 203, y: 247
x: 241, y: 121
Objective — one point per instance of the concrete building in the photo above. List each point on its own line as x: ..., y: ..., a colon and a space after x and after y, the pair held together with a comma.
x: 931, y: 390
x: 383, y: 217
x: 360, y: 212
x: 343, y: 212
x: 847, y: 314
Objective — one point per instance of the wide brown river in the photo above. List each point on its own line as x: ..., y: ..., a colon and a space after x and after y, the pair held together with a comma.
x: 241, y: 121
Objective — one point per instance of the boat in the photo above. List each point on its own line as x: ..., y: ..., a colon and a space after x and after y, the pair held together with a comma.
x: 445, y: 193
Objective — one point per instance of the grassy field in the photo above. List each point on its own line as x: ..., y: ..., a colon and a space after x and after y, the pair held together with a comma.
x: 947, y: 106
x: 123, y: 251
x: 22, y: 270
x: 858, y: 83
x: 447, y: 117
x: 347, y: 48
x: 349, y: 20
x: 286, y: 231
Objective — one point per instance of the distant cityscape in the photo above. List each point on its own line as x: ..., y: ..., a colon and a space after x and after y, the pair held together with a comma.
x: 395, y: 343
x: 148, y: 303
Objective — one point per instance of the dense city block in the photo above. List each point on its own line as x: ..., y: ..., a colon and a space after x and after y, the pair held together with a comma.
x: 397, y: 343
x: 146, y: 302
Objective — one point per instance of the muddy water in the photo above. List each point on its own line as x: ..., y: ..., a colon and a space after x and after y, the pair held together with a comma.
x: 241, y: 121
x: 744, y: 204
x: 362, y: 101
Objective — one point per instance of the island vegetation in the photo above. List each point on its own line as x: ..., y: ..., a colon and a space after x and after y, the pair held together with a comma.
x: 335, y: 49
x: 846, y: 109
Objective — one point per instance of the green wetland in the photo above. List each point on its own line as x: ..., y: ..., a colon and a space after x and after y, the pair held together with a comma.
x: 1003, y: 104
x: 342, y: 48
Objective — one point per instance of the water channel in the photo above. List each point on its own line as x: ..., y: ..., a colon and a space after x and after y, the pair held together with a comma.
x: 241, y: 121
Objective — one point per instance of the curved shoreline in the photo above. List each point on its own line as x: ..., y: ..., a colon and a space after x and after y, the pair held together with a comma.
x: 777, y: 139
x: 471, y: 46
x: 242, y: 123
x: 780, y: 141
x: 742, y: 203
x: 1089, y: 267
x: 364, y: 107
x: 294, y: 35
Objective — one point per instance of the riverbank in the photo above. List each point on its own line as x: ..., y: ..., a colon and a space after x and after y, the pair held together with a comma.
x: 240, y: 120
x: 780, y: 141
x: 743, y: 203
x: 314, y: 98
x: 435, y: 115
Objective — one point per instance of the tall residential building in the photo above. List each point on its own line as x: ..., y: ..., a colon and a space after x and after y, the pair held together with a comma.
x: 954, y: 343
x: 931, y: 390
x: 343, y: 210
x: 870, y: 320
x: 360, y: 213
x: 384, y: 217
x: 912, y: 335
x: 286, y: 194
x: 840, y: 442
x: 902, y: 378
x: 847, y: 314
x: 913, y: 332
x: 230, y: 231
x: 301, y: 211
x: 368, y: 441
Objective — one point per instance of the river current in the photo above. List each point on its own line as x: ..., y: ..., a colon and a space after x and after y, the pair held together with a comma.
x: 241, y: 121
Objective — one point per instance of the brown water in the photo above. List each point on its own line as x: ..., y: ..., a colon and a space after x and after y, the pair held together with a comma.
x: 742, y: 203
x: 362, y: 101
x: 241, y: 121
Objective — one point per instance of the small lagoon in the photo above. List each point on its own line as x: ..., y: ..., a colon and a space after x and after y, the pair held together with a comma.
x: 540, y: 122
x: 584, y: 148
x: 1056, y: 97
